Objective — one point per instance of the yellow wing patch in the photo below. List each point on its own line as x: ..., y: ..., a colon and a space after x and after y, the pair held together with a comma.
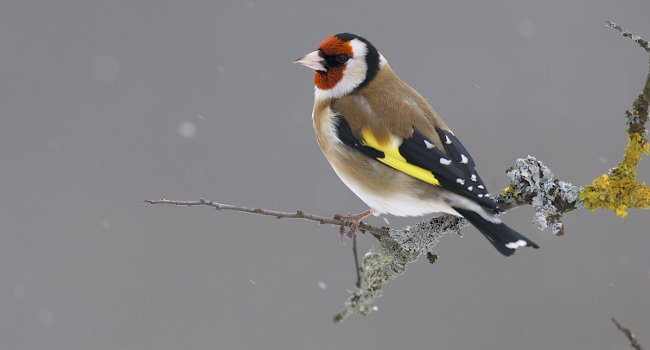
x: 394, y: 159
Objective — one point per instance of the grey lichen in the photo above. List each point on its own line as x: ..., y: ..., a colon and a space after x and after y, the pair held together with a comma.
x: 403, y: 247
x: 422, y: 237
x: 531, y: 182
x: 378, y: 269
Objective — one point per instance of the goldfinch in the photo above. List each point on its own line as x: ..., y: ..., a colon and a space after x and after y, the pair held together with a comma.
x: 389, y: 146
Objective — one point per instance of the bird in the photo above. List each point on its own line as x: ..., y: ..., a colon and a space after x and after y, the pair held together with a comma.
x: 389, y: 146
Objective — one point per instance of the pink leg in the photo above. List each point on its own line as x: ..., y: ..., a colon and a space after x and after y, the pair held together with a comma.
x: 354, y: 220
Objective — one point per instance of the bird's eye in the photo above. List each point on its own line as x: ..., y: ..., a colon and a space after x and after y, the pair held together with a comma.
x: 342, y: 58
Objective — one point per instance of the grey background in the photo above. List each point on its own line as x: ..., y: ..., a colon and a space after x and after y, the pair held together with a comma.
x: 106, y: 103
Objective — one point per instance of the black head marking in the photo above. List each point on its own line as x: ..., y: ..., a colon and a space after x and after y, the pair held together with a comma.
x: 334, y: 60
x: 372, y: 56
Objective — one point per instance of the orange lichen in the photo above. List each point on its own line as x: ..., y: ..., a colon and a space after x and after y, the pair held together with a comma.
x: 620, y: 190
x: 510, y: 190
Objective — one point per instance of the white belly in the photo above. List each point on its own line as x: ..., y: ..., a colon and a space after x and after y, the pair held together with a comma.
x: 401, y: 204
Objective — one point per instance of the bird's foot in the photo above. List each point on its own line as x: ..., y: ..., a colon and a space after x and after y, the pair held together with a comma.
x: 353, y: 220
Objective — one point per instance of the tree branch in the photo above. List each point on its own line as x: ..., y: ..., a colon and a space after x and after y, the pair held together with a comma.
x: 619, y: 189
x: 357, y: 270
x: 298, y: 214
x: 633, y: 342
x: 637, y: 39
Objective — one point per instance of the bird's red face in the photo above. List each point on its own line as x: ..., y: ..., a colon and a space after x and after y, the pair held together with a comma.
x: 342, y: 63
x: 332, y: 46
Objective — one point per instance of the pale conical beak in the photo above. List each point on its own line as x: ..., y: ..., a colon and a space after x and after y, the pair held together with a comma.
x: 312, y: 60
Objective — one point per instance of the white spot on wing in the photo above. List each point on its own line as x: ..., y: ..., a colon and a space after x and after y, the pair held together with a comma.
x: 481, y: 187
x: 470, y: 188
x: 463, y: 159
x: 445, y: 161
x: 460, y: 181
x: 473, y: 177
x: 428, y: 144
x: 517, y: 244
x: 447, y: 140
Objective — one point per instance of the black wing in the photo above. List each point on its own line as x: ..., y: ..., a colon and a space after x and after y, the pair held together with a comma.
x: 455, y: 171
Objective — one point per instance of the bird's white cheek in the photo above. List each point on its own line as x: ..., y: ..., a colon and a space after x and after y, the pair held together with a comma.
x: 353, y: 75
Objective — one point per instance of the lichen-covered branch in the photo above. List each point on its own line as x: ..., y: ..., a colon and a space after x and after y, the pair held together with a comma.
x: 637, y: 39
x: 619, y: 189
x: 403, y: 247
x: 533, y: 183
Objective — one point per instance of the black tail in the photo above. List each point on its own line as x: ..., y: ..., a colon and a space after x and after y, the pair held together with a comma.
x: 502, y: 237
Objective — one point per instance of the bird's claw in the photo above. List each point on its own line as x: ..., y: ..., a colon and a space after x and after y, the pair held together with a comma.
x: 353, y: 220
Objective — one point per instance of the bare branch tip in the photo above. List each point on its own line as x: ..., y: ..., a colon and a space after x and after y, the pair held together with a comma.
x: 627, y: 34
x: 634, y: 343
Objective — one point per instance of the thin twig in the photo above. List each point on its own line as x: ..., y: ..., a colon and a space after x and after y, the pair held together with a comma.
x: 356, y: 261
x: 637, y: 39
x: 298, y: 214
x: 633, y: 342
x: 638, y: 116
